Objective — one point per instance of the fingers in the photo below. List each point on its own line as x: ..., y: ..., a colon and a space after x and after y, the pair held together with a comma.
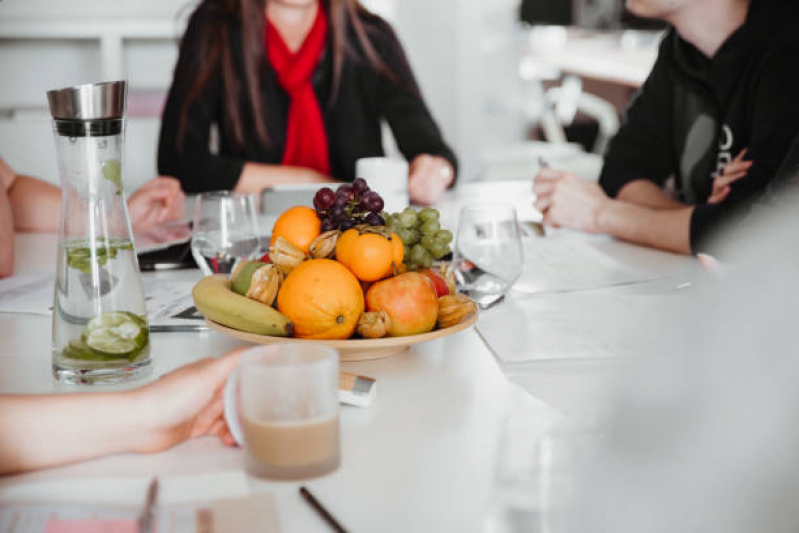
x: 543, y: 203
x: 429, y: 178
x: 737, y: 168
x: 741, y: 155
x: 719, y: 195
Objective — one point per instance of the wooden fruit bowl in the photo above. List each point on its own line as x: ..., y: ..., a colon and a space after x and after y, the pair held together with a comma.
x: 354, y: 349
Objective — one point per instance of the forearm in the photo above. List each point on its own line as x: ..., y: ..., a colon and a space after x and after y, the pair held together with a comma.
x: 648, y: 194
x: 256, y: 177
x: 36, y: 205
x: 45, y: 431
x: 667, y: 229
x: 6, y: 235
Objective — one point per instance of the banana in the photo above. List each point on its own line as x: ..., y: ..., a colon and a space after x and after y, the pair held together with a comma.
x: 216, y: 301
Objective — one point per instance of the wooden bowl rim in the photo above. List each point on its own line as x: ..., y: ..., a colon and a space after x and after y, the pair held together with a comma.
x: 355, y: 344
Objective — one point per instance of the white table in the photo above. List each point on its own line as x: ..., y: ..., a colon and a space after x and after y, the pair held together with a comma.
x: 420, y: 459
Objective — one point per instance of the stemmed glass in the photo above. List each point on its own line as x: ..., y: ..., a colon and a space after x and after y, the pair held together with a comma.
x: 488, y: 257
x: 225, y: 231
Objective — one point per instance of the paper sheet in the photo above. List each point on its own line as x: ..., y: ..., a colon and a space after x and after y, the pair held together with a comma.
x: 60, y: 504
x: 560, y: 263
x: 578, y: 325
x: 169, y: 303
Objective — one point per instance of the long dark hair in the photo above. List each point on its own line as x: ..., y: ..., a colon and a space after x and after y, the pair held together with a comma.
x: 216, y: 50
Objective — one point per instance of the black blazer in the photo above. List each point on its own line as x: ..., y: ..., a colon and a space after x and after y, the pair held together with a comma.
x: 352, y: 120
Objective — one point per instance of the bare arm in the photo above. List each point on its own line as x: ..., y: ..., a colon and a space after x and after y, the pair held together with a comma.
x: 570, y: 201
x: 36, y: 203
x: 45, y: 431
x: 649, y: 194
x: 6, y: 235
x: 256, y: 177
x: 666, y: 229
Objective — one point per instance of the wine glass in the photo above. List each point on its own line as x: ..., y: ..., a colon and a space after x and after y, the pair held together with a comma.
x: 488, y: 257
x: 225, y: 231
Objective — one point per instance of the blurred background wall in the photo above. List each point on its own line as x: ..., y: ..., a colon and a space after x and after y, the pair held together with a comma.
x: 468, y: 56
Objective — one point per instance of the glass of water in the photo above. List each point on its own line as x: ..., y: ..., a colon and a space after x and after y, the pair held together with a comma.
x: 488, y: 255
x: 225, y: 231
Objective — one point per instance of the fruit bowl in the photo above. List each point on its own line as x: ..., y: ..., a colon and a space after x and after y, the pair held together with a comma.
x: 351, y: 350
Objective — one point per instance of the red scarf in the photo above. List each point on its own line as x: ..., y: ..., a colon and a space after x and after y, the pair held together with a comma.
x: 306, y: 136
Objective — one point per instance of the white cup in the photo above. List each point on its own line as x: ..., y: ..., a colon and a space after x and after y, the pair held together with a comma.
x: 281, y: 405
x: 388, y: 177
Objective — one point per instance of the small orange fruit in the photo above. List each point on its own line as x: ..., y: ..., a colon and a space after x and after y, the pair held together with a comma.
x: 323, y: 299
x: 299, y: 225
x: 368, y: 254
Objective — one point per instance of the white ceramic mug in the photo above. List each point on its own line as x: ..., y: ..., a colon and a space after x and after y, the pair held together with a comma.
x: 388, y: 177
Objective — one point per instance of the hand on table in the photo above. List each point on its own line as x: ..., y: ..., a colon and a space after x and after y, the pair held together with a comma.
x: 734, y: 170
x: 429, y: 177
x: 186, y: 404
x: 566, y: 199
x: 156, y: 202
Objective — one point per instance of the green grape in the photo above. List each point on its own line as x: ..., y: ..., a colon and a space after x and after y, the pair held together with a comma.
x: 427, y: 262
x: 428, y: 213
x: 418, y: 253
x: 444, y: 235
x: 413, y: 236
x: 430, y: 227
x: 407, y: 219
x: 413, y: 267
x: 439, y: 250
x: 405, y: 235
x: 391, y: 222
x: 429, y: 241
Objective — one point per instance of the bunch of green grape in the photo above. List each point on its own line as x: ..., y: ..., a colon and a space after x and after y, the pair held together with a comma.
x: 421, y: 233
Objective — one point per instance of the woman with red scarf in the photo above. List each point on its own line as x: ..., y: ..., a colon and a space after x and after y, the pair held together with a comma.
x: 294, y: 91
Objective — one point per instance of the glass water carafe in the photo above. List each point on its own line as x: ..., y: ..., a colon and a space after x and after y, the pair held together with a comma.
x: 100, y: 329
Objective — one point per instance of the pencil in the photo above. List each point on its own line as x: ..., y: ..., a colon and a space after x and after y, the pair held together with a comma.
x: 326, y: 516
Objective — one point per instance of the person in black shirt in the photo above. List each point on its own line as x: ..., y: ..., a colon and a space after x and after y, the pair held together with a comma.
x: 706, y: 134
x: 269, y: 130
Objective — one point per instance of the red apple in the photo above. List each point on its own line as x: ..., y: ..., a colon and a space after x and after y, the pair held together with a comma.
x: 438, y: 281
x: 409, y: 299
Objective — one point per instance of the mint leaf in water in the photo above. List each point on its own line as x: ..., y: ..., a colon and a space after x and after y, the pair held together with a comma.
x: 112, y: 171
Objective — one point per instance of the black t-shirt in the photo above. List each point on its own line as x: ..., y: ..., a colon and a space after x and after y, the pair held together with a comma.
x: 694, y: 115
x: 352, y: 119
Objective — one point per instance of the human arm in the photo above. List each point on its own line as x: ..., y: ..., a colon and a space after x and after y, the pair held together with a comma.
x: 433, y: 163
x: 256, y: 177
x: 36, y: 204
x: 6, y: 234
x: 51, y: 430
x: 648, y: 194
x: 567, y: 200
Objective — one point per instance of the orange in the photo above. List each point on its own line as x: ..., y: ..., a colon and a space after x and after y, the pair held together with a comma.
x: 299, y: 225
x: 370, y: 256
x: 323, y: 299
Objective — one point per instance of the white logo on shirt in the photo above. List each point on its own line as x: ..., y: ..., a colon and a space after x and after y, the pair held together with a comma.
x: 725, y: 149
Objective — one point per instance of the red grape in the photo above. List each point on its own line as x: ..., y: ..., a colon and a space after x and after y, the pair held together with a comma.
x: 328, y: 224
x: 372, y: 202
x: 373, y: 219
x: 360, y: 186
x: 338, y: 212
x: 324, y: 198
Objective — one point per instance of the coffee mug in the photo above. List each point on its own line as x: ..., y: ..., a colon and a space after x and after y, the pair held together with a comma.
x: 281, y: 405
x: 388, y: 177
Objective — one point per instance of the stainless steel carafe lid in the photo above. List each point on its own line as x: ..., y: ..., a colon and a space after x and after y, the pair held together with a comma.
x: 93, y: 101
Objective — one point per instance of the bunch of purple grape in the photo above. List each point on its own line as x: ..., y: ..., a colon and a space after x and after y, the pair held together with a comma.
x: 350, y: 205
